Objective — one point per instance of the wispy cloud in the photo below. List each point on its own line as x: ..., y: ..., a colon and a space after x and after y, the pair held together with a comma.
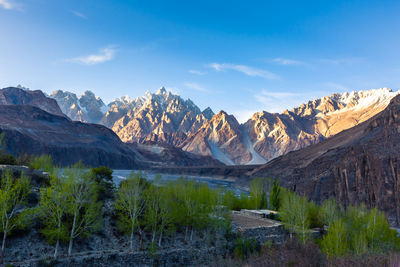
x: 197, y: 72
x: 275, y: 101
x: 286, y: 61
x: 103, y: 55
x: 195, y: 86
x: 249, y: 71
x: 10, y: 5
x: 78, y: 14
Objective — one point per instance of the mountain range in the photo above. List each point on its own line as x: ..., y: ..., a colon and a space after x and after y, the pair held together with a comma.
x: 358, y: 165
x: 166, y: 118
x: 345, y: 146
x: 33, y: 124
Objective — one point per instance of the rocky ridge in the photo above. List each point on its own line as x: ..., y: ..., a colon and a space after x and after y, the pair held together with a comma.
x: 85, y: 108
x: 36, y: 98
x: 358, y: 165
x: 165, y: 118
x: 29, y: 129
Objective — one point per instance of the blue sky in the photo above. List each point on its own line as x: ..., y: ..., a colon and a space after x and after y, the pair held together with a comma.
x: 239, y: 56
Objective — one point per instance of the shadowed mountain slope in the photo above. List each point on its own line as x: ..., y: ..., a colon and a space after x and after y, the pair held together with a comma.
x: 361, y: 164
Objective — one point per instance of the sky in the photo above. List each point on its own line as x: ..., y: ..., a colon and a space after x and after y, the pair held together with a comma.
x: 237, y: 56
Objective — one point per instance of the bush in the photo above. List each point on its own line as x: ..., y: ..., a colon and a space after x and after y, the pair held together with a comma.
x: 43, y: 163
x: 24, y: 160
x: 292, y: 253
x: 7, y: 159
x: 360, y: 231
x: 245, y: 247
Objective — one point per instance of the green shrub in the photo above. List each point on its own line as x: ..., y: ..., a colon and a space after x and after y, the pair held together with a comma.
x: 43, y: 163
x: 244, y: 247
x: 24, y: 160
x: 7, y: 159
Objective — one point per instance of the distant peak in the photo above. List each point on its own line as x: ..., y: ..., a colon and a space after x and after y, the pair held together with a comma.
x: 22, y: 87
x: 208, y: 113
x: 88, y: 93
x: 161, y: 91
x: 222, y: 113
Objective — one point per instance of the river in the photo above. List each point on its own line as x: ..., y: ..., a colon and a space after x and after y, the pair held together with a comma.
x: 119, y: 175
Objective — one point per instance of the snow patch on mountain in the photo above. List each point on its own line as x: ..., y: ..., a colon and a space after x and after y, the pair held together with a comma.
x: 219, y: 155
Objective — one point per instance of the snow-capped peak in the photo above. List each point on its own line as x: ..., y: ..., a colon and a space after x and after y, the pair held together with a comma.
x: 161, y: 91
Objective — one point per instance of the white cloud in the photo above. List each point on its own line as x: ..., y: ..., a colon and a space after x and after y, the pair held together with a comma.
x: 197, y: 72
x: 78, y: 14
x: 10, y: 5
x: 103, y: 55
x: 195, y: 86
x: 285, y: 61
x: 250, y: 71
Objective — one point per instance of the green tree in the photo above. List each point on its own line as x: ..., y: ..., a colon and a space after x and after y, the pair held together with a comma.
x: 302, y: 218
x: 103, y: 177
x: 329, y: 212
x: 275, y: 196
x: 166, y: 214
x: 43, y: 163
x: 294, y: 213
x: 130, y: 204
x: 53, y: 207
x: 13, y: 197
x: 287, y: 212
x: 152, y: 214
x: 335, y: 242
x: 5, y: 158
x: 256, y: 193
x: 83, y: 206
x: 379, y: 235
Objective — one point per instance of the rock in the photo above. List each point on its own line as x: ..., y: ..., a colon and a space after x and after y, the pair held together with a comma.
x: 19, y: 96
x: 86, y: 108
x: 34, y: 131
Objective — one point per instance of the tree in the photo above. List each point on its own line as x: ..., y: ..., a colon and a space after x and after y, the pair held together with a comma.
x: 13, y: 197
x: 166, y: 214
x: 43, y: 163
x: 379, y: 235
x: 152, y: 211
x: 83, y: 207
x: 130, y: 205
x: 275, y: 196
x: 287, y: 212
x: 53, y: 207
x: 256, y: 192
x: 104, y: 179
x: 5, y: 158
x: 302, y: 218
x: 334, y: 243
x: 329, y: 212
x: 294, y: 213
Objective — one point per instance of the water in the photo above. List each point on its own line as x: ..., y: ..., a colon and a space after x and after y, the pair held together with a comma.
x: 119, y: 175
